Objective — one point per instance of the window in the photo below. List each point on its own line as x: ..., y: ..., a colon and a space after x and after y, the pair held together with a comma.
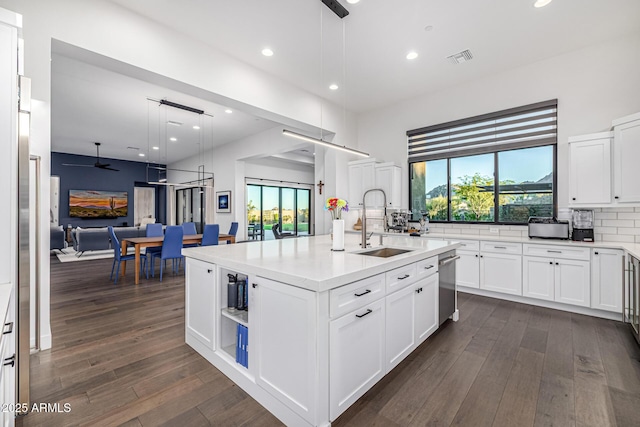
x: 286, y: 206
x: 495, y: 168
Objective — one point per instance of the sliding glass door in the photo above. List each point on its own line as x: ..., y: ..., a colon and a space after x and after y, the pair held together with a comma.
x: 286, y: 206
x: 189, y: 207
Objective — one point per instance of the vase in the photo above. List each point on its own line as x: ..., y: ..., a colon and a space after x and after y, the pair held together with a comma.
x: 338, y: 235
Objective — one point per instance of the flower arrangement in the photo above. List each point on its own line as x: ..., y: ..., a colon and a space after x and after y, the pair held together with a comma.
x: 336, y: 206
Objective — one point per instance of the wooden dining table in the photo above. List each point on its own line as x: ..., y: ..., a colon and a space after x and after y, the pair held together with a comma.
x: 147, y: 242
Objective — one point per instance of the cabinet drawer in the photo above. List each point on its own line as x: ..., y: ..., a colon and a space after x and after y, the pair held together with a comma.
x: 468, y: 245
x: 355, y: 295
x: 401, y: 277
x: 427, y: 267
x: 501, y: 247
x: 564, y: 252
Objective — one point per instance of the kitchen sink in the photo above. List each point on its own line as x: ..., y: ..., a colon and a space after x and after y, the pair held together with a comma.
x: 384, y: 252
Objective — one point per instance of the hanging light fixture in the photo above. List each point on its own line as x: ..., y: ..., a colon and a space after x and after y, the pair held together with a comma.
x: 341, y: 12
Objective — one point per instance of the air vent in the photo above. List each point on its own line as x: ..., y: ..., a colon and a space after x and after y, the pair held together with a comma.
x: 133, y: 148
x: 460, y: 57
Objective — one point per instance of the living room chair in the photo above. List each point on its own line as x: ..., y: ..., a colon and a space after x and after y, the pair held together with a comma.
x: 210, y: 235
x: 189, y: 228
x: 278, y: 234
x: 171, y: 249
x: 233, y: 230
x: 117, y: 255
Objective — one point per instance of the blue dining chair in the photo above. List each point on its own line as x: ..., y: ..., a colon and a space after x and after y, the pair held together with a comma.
x: 189, y: 228
x: 210, y: 235
x: 233, y: 230
x: 171, y: 249
x: 117, y: 255
x: 153, y: 230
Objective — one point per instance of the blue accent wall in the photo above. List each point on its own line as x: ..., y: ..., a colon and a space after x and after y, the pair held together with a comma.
x: 130, y: 175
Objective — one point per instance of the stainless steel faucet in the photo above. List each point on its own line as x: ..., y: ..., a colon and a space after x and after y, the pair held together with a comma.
x: 363, y: 243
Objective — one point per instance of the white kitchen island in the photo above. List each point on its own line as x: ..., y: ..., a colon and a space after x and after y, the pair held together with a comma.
x: 323, y: 326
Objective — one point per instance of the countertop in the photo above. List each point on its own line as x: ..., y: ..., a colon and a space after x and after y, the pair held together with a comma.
x: 630, y: 248
x: 309, y: 263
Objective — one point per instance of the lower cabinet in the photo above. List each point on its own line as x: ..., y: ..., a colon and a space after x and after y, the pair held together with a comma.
x: 400, y: 313
x: 199, y: 296
x: 427, y: 314
x: 606, y: 277
x: 356, y: 355
x: 284, y: 329
x: 553, y: 279
x: 467, y: 269
x: 8, y: 369
x: 538, y: 278
x: 501, y: 272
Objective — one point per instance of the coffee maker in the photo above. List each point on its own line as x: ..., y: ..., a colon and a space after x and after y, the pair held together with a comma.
x: 582, y: 220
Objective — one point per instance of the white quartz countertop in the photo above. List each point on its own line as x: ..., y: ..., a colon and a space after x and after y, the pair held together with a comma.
x: 630, y: 248
x: 309, y: 263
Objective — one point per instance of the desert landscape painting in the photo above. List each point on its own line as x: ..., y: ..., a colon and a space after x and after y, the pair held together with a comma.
x: 97, y: 204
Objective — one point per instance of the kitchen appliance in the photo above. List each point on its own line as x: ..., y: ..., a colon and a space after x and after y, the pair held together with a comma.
x: 548, y: 228
x: 447, y: 284
x: 582, y: 220
x: 631, y: 306
x: 399, y: 220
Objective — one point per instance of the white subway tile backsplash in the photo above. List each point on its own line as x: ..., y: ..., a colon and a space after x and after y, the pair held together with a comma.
x: 606, y: 215
x: 637, y: 209
x: 518, y: 227
x: 597, y: 222
x: 453, y: 231
x: 629, y: 215
x: 487, y: 233
x: 637, y: 239
x: 618, y: 223
x: 618, y: 238
x: 630, y: 231
x: 617, y: 210
x: 510, y: 233
x: 606, y: 230
x: 471, y: 231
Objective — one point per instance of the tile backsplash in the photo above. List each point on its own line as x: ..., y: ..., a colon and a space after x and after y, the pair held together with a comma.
x: 617, y: 224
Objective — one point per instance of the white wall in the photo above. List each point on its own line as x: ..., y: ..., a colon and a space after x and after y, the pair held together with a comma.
x: 593, y: 86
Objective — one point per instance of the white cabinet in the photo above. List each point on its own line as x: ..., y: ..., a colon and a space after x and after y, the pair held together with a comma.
x: 538, y: 277
x: 200, y: 299
x: 357, y: 349
x: 626, y: 152
x: 606, y: 280
x: 389, y: 179
x: 283, y: 328
x: 590, y: 169
x: 362, y: 177
x: 468, y: 269
x: 427, y: 315
x: 400, y: 314
x: 572, y: 282
x: 501, y: 272
x: 8, y: 366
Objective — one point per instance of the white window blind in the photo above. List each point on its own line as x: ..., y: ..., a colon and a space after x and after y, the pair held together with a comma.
x: 528, y: 126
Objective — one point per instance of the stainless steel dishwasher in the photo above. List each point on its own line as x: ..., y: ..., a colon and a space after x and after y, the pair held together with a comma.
x: 447, y: 284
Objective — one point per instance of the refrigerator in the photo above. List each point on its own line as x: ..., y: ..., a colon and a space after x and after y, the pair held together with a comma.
x: 15, y: 257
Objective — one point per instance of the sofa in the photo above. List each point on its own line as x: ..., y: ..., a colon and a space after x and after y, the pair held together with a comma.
x: 57, y: 240
x: 95, y: 239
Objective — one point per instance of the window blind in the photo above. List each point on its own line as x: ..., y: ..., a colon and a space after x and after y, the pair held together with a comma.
x: 522, y: 127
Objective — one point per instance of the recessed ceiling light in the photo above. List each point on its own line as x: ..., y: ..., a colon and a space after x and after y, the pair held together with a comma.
x: 174, y: 123
x: 196, y: 127
x: 352, y: 1
x: 412, y: 55
x: 541, y: 3
x: 267, y: 52
x: 156, y: 148
x: 141, y: 154
x: 333, y: 86
x: 173, y: 139
x: 228, y: 111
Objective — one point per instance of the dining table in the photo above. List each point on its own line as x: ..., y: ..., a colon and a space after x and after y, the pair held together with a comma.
x: 147, y: 242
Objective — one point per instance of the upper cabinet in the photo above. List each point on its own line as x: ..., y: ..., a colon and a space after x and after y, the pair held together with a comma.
x: 626, y: 152
x: 590, y: 169
x: 368, y: 174
x: 602, y: 162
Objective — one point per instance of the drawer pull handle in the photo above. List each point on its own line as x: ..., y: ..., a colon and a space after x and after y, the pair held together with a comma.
x: 595, y: 253
x: 554, y: 252
x: 209, y: 270
x: 406, y: 276
x: 255, y: 285
x: 10, y: 361
x: 9, y: 329
x: 551, y: 262
x: 500, y: 247
x: 360, y: 316
x: 418, y: 290
x: 431, y: 266
x: 368, y: 291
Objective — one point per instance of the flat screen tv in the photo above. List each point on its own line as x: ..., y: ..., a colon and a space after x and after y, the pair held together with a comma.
x: 97, y: 204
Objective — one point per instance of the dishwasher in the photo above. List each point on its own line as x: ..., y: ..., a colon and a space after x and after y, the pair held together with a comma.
x: 447, y: 285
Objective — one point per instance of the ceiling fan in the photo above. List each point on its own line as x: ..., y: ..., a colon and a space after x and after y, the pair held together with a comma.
x: 97, y: 164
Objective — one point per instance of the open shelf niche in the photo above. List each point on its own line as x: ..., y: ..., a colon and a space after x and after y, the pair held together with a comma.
x: 230, y: 318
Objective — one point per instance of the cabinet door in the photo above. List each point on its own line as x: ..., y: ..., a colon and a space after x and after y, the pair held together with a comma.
x: 357, y: 346
x: 468, y: 269
x: 572, y: 282
x: 387, y: 177
x: 285, y: 344
x: 400, y: 324
x: 626, y: 150
x: 590, y: 172
x: 426, y: 307
x: 538, y: 276
x: 501, y: 273
x: 606, y: 280
x: 200, y: 301
x: 361, y: 178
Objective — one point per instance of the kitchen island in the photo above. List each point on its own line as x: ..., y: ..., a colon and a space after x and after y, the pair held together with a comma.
x: 321, y: 327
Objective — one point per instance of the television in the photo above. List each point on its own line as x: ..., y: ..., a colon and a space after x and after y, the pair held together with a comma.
x: 98, y: 204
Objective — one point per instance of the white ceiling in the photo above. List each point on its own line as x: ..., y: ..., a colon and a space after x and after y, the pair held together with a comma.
x: 502, y: 34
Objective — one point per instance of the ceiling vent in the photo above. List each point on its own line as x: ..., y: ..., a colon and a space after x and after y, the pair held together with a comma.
x: 460, y: 57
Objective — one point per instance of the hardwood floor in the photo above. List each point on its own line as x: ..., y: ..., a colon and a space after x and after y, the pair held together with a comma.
x: 119, y: 358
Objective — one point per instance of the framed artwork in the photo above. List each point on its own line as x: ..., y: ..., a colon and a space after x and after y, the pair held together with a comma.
x: 223, y: 201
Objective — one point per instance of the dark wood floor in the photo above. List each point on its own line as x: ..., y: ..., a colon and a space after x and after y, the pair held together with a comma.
x: 119, y: 358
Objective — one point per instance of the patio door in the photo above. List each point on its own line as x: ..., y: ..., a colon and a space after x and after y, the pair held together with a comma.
x: 189, y: 207
x: 288, y: 207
